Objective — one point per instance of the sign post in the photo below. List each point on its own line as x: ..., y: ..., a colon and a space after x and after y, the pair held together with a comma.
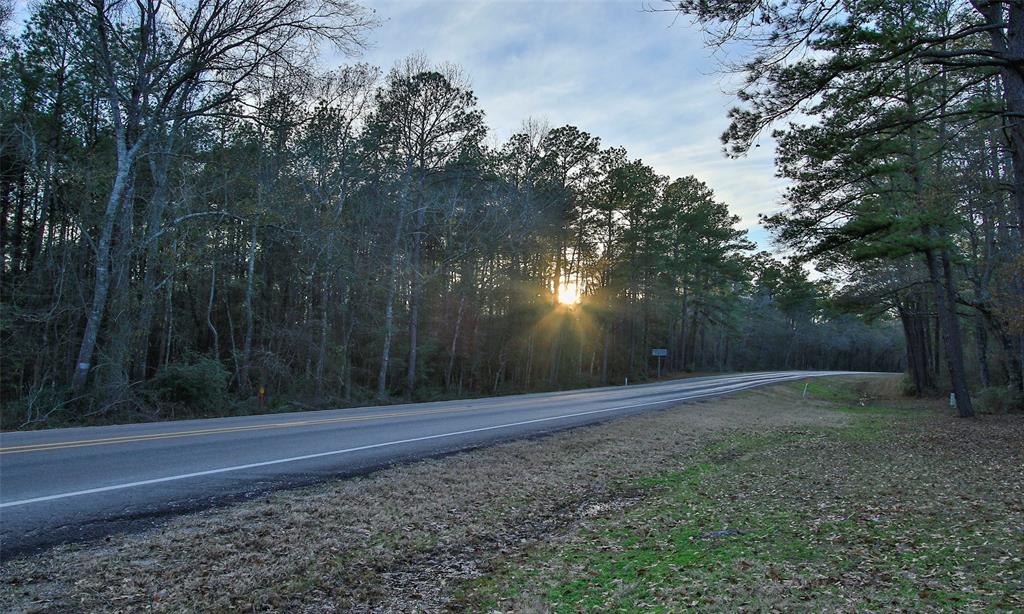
x: 659, y: 352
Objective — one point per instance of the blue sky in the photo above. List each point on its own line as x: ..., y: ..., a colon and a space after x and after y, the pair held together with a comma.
x: 636, y: 79
x: 641, y: 80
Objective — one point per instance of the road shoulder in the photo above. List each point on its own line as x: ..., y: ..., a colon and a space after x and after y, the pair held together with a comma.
x: 493, y: 527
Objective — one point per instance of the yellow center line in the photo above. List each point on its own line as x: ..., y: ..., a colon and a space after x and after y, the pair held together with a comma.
x: 60, y: 445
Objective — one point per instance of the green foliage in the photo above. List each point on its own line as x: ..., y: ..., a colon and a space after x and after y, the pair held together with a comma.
x: 999, y: 400
x: 871, y: 515
x: 897, y: 158
x: 196, y: 387
x: 353, y: 238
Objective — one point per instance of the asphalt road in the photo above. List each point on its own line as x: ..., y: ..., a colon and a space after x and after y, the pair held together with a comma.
x: 70, y: 484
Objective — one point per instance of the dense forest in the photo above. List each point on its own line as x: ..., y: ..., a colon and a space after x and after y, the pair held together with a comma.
x: 197, y: 220
x: 899, y: 126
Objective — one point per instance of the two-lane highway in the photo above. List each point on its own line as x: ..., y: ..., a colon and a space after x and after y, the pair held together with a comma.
x: 66, y: 484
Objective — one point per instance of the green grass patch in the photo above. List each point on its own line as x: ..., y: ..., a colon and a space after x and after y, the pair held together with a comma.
x: 833, y: 390
x: 821, y: 518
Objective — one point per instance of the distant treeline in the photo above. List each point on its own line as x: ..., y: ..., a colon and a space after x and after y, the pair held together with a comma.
x: 193, y: 217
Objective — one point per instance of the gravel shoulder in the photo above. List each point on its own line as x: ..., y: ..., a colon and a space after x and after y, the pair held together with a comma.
x: 505, y: 527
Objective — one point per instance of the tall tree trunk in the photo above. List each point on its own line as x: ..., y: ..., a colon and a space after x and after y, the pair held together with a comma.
x: 101, y: 277
x: 168, y: 328
x: 938, y: 271
x: 1012, y: 363
x: 244, y: 383
x: 454, y: 345
x: 321, y: 355
x: 917, y: 352
x: 1007, y: 39
x: 604, y: 354
x: 556, y: 353
x: 529, y: 362
x: 683, y: 330
x: 158, y: 165
x: 981, y: 339
x: 415, y: 292
x: 389, y: 312
x: 209, y: 313
x: 691, y: 354
x: 121, y: 324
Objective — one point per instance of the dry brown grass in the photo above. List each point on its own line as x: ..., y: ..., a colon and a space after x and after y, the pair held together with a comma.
x: 905, y: 509
x: 400, y: 539
x: 525, y: 526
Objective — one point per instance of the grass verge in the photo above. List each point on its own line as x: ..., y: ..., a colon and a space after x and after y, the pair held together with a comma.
x: 846, y: 500
x: 898, y: 509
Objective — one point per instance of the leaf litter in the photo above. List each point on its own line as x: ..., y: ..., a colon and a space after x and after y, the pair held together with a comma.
x: 933, y: 504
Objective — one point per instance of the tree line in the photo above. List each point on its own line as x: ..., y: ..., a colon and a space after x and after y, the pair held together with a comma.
x: 906, y: 164
x: 197, y: 220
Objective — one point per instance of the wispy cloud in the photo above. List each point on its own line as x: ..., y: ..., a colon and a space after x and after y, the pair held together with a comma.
x: 638, y: 79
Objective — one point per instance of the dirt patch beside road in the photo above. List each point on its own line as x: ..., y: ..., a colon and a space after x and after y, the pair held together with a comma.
x: 433, y: 535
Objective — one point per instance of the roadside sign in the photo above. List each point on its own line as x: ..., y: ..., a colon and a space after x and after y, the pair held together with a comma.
x: 660, y: 353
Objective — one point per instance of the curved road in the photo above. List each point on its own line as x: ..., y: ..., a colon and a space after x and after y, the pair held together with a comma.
x: 68, y: 484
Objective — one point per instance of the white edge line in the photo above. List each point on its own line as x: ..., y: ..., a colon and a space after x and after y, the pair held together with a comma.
x: 279, y: 461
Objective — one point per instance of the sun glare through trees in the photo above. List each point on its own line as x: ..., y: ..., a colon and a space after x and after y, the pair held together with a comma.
x: 569, y: 293
x: 445, y: 226
x: 362, y: 233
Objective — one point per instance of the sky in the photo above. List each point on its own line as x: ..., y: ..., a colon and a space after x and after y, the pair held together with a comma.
x: 636, y: 79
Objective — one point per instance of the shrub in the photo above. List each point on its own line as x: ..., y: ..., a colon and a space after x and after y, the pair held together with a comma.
x: 42, y: 407
x: 198, y: 386
x: 998, y: 400
x: 907, y: 387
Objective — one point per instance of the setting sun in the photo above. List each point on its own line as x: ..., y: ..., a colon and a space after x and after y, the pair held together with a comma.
x: 569, y: 294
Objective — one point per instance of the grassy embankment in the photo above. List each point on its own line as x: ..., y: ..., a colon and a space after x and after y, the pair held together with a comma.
x: 853, y: 499
x: 901, y: 507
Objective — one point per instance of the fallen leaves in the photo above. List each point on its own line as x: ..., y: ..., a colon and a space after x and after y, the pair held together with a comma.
x: 607, y: 517
x: 906, y: 509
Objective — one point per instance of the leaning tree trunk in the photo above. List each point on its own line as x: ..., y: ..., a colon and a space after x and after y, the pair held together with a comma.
x: 101, y: 278
x: 209, y: 313
x: 114, y: 379
x: 250, y: 283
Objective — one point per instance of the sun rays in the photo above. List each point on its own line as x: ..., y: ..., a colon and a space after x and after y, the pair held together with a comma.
x: 569, y: 294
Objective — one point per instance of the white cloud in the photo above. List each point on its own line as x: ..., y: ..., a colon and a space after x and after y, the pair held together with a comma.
x: 641, y: 80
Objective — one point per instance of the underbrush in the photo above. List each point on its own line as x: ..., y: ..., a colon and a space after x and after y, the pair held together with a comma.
x: 998, y: 400
x: 200, y: 387
x: 195, y: 388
